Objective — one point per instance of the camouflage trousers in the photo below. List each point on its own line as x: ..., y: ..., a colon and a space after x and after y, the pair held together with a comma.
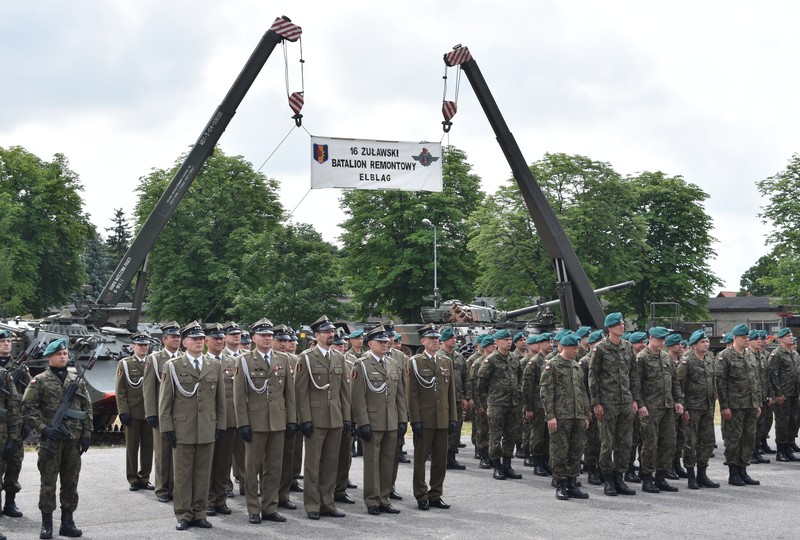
x: 658, y: 440
x: 680, y: 436
x: 566, y: 446
x: 503, y: 430
x: 9, y: 470
x: 455, y: 437
x: 786, y: 420
x: 591, y: 452
x: 616, y: 429
x: 636, y: 441
x: 526, y: 436
x: 539, y: 435
x: 764, y: 424
x: 66, y: 465
x: 699, y: 437
x: 739, y: 434
x: 481, y: 430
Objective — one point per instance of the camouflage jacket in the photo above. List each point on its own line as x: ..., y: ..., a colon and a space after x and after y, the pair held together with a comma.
x: 697, y: 381
x: 762, y: 361
x: 43, y: 396
x: 460, y: 374
x: 613, y: 377
x: 736, y: 376
x: 659, y: 386
x: 531, y: 377
x: 10, y: 410
x: 783, y: 373
x: 562, y: 392
x: 498, y: 381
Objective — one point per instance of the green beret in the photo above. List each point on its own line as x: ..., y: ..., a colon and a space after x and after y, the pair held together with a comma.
x: 561, y: 334
x: 487, y: 340
x: 398, y: 337
x: 659, y: 332
x: 728, y: 338
x: 754, y: 334
x: 355, y: 334
x: 740, y: 330
x: 502, y: 334
x: 595, y: 336
x: 762, y: 334
x: 480, y: 337
x: 684, y: 343
x: 583, y: 331
x: 519, y: 335
x: 613, y: 319
x: 55, y: 346
x: 570, y: 340
x: 696, y: 336
x: 532, y: 339
x: 446, y: 334
x: 5, y: 334
x: 637, y: 337
x: 673, y: 339
x: 626, y: 336
x: 783, y: 332
x: 547, y: 336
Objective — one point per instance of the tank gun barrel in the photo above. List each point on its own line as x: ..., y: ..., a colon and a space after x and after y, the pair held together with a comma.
x: 531, y: 309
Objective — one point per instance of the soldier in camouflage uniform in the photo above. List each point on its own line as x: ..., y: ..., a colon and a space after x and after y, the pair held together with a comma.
x: 757, y: 345
x: 661, y: 394
x: 675, y: 349
x: 461, y: 380
x: 638, y: 341
x: 533, y: 347
x: 566, y: 409
x: 498, y: 393
x: 739, y: 393
x: 481, y: 422
x: 532, y: 401
x: 591, y: 453
x: 614, y: 394
x: 696, y: 374
x: 784, y: 370
x: 42, y: 398
x: 520, y: 350
x: 13, y: 462
x: 477, y: 355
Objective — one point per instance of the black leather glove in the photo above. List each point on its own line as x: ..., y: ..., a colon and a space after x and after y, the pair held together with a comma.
x: 53, y: 434
x: 217, y: 435
x: 347, y: 426
x: 171, y: 439
x: 291, y: 429
x: 83, y: 445
x: 453, y: 426
x: 365, y: 432
x: 25, y: 431
x: 152, y: 421
x: 402, y: 427
x: 416, y: 428
x: 125, y: 419
x: 246, y: 433
x: 307, y: 428
x: 8, y: 451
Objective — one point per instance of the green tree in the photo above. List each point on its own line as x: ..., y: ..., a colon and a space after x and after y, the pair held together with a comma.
x: 44, y: 230
x: 227, y: 208
x: 389, y: 263
x: 292, y: 276
x: 754, y: 280
x: 98, y: 263
x: 119, y: 235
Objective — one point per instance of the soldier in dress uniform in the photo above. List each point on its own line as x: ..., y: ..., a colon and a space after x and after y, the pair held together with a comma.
x: 265, y: 413
x: 397, y: 354
x: 233, y: 348
x: 345, y: 454
x: 220, y: 481
x: 13, y: 462
x: 165, y: 477
x: 297, y: 458
x: 463, y: 391
x: 282, y: 343
x: 130, y: 405
x: 784, y: 387
x: 70, y: 440
x: 432, y: 412
x: 379, y: 408
x: 323, y: 409
x: 191, y: 415
x: 355, y: 351
x: 245, y: 341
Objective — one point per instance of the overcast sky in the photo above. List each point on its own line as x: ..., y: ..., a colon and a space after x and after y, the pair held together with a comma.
x: 706, y: 90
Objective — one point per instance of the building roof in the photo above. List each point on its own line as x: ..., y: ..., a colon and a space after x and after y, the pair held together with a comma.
x: 744, y: 303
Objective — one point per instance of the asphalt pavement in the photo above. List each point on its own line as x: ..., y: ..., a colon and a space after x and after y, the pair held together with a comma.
x: 481, y: 508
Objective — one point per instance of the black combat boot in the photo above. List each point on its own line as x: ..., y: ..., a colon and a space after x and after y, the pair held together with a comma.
x: 486, y: 463
x: 631, y: 476
x: 520, y: 452
x: 10, y: 508
x: 788, y: 452
x: 692, y: 483
x: 561, y: 490
x: 594, y: 475
x: 733, y: 476
x: 765, y: 446
x: 452, y: 463
x: 530, y: 461
x: 574, y: 490
x: 780, y: 456
x: 676, y: 466
x: 477, y: 454
x: 47, y: 526
x: 746, y: 477
x: 509, y: 472
x: 622, y: 487
x: 546, y: 465
x: 757, y: 459
x: 647, y: 483
x: 661, y: 482
x: 68, y: 527
x: 608, y: 485
x: 793, y: 446
x: 540, y: 469
x: 499, y: 470
x: 703, y: 479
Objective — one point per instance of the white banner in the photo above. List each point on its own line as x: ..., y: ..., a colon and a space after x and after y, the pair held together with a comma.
x: 357, y: 164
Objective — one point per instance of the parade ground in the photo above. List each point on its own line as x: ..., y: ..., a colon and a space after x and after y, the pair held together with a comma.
x: 481, y: 508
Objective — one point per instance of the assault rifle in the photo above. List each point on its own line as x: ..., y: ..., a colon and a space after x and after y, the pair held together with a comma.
x: 17, y: 367
x: 57, y: 422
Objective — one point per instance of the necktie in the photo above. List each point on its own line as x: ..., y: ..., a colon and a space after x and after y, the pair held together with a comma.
x: 266, y: 359
x: 197, y: 365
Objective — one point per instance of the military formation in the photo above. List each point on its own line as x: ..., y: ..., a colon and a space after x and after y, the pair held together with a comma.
x: 216, y: 400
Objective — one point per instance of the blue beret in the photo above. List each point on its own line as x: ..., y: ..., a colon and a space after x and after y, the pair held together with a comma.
x: 55, y: 346
x: 673, y: 339
x: 502, y: 334
x: 595, y: 336
x: 784, y: 332
x: 487, y: 340
x: 696, y: 336
x: 519, y: 335
x: 613, y: 319
x: 740, y: 330
x: 659, y: 332
x: 754, y: 334
x: 570, y: 340
x: 532, y: 339
x: 355, y: 334
x: 728, y: 338
x: 637, y: 337
x: 446, y: 334
x: 626, y: 336
x: 561, y: 334
x: 583, y: 331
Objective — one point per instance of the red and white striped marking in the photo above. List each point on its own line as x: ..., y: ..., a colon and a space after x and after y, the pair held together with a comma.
x: 286, y: 29
x: 457, y: 57
x: 296, y: 102
x: 449, y: 110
